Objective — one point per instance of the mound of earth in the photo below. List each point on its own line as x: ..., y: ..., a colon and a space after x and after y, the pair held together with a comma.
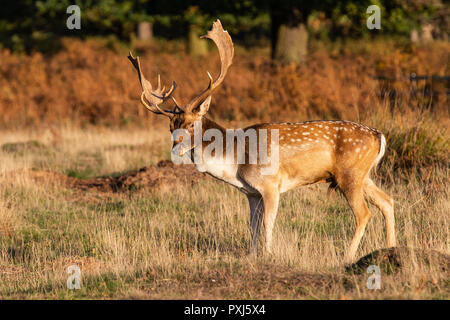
x: 164, y: 173
x: 392, y: 260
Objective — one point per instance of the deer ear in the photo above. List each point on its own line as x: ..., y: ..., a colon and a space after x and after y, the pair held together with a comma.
x: 203, y: 108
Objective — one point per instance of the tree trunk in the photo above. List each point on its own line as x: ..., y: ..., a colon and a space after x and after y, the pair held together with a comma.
x: 292, y: 44
x: 145, y: 31
x: 289, y: 37
x: 197, y: 47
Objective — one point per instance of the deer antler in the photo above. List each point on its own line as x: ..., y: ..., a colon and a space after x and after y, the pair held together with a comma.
x: 226, y: 51
x: 153, y: 97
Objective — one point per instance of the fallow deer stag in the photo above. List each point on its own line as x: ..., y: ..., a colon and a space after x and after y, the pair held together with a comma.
x: 340, y: 152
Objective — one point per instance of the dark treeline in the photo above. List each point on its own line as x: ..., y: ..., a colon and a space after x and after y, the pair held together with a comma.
x: 27, y: 25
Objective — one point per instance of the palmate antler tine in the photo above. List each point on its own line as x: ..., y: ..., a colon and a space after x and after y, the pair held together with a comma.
x: 168, y: 94
x: 226, y: 52
x: 175, y: 101
x: 145, y: 84
x: 149, y: 98
x: 224, y: 43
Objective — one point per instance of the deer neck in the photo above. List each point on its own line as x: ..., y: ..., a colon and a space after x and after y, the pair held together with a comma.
x: 214, y: 166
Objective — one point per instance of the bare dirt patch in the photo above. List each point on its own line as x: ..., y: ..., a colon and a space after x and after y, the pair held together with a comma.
x: 272, y: 282
x: 164, y: 173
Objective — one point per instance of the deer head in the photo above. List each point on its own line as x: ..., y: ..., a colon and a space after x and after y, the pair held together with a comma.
x: 184, y: 117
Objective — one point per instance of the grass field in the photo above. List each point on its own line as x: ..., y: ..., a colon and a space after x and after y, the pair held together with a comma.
x: 73, y: 135
x: 191, y: 240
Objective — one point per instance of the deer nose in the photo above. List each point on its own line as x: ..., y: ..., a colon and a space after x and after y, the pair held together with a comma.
x: 180, y: 139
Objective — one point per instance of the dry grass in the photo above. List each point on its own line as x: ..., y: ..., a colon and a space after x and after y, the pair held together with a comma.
x: 180, y: 241
x: 184, y: 241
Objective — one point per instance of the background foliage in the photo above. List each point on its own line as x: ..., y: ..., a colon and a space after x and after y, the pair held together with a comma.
x: 28, y: 24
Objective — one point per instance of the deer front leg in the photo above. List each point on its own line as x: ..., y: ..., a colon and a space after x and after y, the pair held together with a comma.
x: 256, y: 216
x: 271, y: 199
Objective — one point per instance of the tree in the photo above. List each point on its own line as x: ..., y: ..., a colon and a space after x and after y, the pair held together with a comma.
x: 289, y: 33
x: 25, y: 23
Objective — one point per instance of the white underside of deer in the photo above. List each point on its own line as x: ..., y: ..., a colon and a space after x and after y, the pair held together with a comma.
x: 342, y: 153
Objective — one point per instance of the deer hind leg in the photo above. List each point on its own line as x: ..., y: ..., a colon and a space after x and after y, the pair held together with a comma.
x: 256, y: 217
x: 386, y: 205
x: 355, y: 197
x: 271, y: 199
